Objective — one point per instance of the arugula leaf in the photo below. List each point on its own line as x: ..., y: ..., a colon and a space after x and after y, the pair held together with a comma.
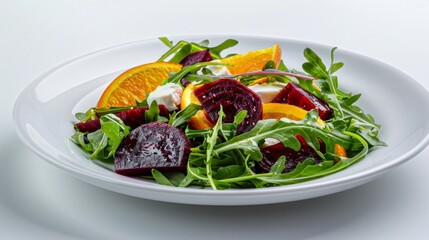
x: 342, y: 103
x: 215, y: 51
x: 103, y: 143
x: 225, y: 164
x: 282, y: 66
x: 183, y: 116
x: 167, y: 42
x: 91, y: 114
x: 229, y: 171
x: 152, y: 113
x: 307, y: 171
x: 173, y: 49
x: 283, y: 130
x: 169, y: 178
x: 184, y: 48
x: 160, y: 178
x: 211, y: 143
x: 175, y: 78
x: 278, y: 166
x: 182, y: 53
x: 316, y: 68
x: 115, y: 130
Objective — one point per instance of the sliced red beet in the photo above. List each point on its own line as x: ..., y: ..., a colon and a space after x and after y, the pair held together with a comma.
x: 132, y: 118
x: 152, y: 145
x: 89, y: 126
x: 273, y: 152
x: 196, y: 57
x: 293, y: 94
x: 234, y: 97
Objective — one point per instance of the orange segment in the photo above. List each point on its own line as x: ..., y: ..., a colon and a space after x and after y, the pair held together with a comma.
x: 199, y: 121
x: 253, y: 61
x: 135, y: 83
x: 188, y: 96
x: 340, y: 151
x: 282, y: 110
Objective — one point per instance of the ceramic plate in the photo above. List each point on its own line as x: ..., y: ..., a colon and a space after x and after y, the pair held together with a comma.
x: 44, y: 113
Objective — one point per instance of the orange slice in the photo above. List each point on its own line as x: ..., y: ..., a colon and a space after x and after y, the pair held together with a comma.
x: 282, y: 110
x: 134, y: 84
x: 200, y: 120
x: 253, y: 61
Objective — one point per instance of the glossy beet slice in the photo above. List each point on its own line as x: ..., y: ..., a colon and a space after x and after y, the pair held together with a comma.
x: 273, y: 152
x: 152, y: 145
x: 293, y: 94
x: 132, y: 118
x: 234, y: 97
x: 196, y: 57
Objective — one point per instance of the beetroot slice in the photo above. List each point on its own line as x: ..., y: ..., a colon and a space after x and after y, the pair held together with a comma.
x: 273, y: 152
x: 293, y: 94
x: 234, y: 97
x: 196, y: 57
x: 132, y: 118
x: 152, y: 145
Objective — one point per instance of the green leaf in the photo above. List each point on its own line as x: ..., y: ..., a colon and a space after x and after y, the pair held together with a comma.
x: 204, y: 43
x: 80, y: 116
x: 278, y: 166
x: 160, y: 178
x: 239, y: 118
x: 184, y: 115
x: 167, y: 42
x: 103, y: 143
x: 175, y: 78
x: 269, y: 65
x: 90, y: 114
x: 351, y: 100
x: 307, y: 171
x: 284, y: 131
x: 212, y: 141
x: 230, y: 171
x: 152, y: 114
x: 315, y: 66
x: 215, y: 51
x: 188, y: 180
x: 335, y: 67
x: 172, y: 50
x: 181, y: 54
x: 115, y: 130
x: 183, y: 49
x: 282, y: 67
x: 98, y: 142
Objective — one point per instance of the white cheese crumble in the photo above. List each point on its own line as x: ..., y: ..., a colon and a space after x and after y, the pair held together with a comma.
x: 169, y: 95
x: 217, y: 70
x: 266, y: 92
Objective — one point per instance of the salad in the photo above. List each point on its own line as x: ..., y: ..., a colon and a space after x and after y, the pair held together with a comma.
x: 198, y: 117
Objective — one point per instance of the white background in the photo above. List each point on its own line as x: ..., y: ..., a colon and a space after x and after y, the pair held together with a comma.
x: 39, y: 201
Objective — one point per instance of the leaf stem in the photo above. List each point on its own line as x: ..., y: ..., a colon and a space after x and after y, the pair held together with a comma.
x: 246, y: 177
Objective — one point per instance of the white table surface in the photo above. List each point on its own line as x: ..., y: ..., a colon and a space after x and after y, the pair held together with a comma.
x: 39, y: 201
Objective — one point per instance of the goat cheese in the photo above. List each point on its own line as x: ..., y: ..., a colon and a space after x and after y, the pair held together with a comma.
x: 266, y: 92
x: 169, y: 95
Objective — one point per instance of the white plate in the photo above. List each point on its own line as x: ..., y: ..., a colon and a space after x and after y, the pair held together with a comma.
x: 44, y: 112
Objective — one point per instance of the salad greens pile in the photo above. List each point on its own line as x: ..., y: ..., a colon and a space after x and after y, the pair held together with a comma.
x: 221, y: 159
